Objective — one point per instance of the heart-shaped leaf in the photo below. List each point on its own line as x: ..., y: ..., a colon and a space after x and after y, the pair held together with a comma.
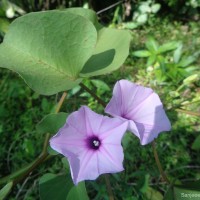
x: 48, y: 49
x: 54, y: 50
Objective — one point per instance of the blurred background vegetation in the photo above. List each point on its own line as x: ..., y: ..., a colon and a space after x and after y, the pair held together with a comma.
x: 164, y: 55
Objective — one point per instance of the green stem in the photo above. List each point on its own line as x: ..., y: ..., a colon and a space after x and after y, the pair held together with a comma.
x: 100, y: 101
x: 61, y: 102
x: 108, y: 186
x: 158, y: 163
x: 188, y: 112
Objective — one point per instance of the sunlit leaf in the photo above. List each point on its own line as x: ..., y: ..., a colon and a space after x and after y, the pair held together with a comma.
x: 151, y: 60
x: 178, y: 53
x: 152, y: 45
x: 155, y: 8
x: 141, y: 53
x: 168, y: 47
x: 48, y: 60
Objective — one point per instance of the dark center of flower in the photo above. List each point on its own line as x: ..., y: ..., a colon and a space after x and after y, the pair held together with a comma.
x: 93, y: 143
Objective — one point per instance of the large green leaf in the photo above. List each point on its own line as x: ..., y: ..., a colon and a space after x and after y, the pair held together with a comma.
x: 48, y: 49
x: 55, y: 187
x: 54, y: 50
x: 110, y: 52
x: 61, y: 187
x: 51, y: 123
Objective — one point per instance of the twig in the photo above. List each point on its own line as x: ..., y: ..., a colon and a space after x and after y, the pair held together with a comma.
x: 100, y: 101
x: 61, y: 102
x: 158, y: 163
x: 189, y: 112
x: 108, y: 186
x: 21, y: 188
x: 109, y: 7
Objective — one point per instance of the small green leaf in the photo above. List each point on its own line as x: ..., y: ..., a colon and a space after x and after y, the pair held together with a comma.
x: 141, y: 53
x: 99, y: 84
x: 178, y: 53
x: 155, y: 8
x: 52, y: 123
x: 153, y: 194
x: 186, y: 61
x: 143, y: 183
x: 5, y: 190
x: 151, y: 60
x: 168, y: 47
x: 51, y: 151
x: 144, y: 7
x: 78, y: 192
x: 152, y: 45
x: 55, y: 186
x: 142, y: 18
x: 4, y: 24
x: 196, y: 143
x: 191, y: 79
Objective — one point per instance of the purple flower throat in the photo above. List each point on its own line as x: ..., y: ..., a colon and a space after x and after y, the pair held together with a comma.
x: 93, y: 142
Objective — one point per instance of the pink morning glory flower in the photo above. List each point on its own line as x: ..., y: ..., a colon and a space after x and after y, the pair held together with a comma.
x: 92, y: 144
x: 141, y: 107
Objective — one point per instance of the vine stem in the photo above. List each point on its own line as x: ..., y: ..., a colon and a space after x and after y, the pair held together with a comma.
x: 108, y: 186
x: 188, y: 112
x: 21, y: 174
x: 100, y: 101
x: 61, y: 102
x: 158, y: 163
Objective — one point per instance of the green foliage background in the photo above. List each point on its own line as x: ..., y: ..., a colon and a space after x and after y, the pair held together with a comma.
x: 21, y: 108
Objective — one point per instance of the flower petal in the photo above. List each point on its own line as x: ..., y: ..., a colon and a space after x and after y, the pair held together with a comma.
x: 88, y: 169
x: 65, y: 140
x: 115, y: 132
x: 142, y: 107
x: 110, y: 159
x: 72, y: 141
x: 150, y: 119
x: 126, y: 96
